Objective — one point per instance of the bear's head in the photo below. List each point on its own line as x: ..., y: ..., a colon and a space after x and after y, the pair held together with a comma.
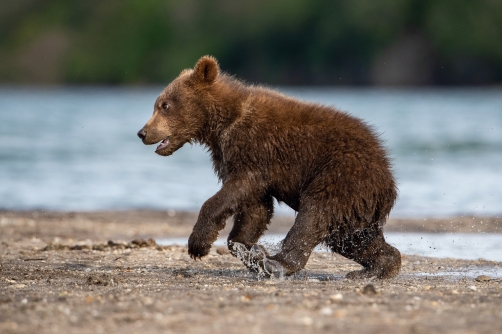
x: 181, y: 112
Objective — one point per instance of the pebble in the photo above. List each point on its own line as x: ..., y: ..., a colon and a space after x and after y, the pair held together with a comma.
x: 307, y: 321
x: 246, y: 298
x: 326, y: 311
x: 369, y: 290
x: 483, y: 278
x: 473, y: 288
x: 336, y: 297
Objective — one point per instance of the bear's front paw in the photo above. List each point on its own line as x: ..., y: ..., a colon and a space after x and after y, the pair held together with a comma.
x: 197, y: 248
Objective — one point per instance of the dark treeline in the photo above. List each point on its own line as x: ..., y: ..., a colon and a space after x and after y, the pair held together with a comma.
x: 384, y: 42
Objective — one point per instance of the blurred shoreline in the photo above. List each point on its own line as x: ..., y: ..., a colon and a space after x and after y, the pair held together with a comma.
x: 171, y: 223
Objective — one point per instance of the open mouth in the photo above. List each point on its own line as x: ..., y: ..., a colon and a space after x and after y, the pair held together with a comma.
x: 163, y: 144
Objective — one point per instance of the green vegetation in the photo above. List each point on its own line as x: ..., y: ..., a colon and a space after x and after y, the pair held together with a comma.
x: 272, y: 41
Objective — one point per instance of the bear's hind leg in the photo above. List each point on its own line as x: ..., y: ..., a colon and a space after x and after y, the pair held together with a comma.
x: 308, y: 231
x: 249, y: 226
x: 378, y: 258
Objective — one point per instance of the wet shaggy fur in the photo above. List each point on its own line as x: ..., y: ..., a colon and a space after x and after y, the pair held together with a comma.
x: 328, y: 166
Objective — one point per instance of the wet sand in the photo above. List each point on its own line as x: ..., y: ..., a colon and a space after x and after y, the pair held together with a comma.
x: 91, y: 273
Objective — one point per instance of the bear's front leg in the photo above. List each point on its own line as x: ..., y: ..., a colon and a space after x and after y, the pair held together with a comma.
x: 214, y: 213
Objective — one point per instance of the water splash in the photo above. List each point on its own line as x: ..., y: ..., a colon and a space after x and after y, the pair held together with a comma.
x: 257, y: 260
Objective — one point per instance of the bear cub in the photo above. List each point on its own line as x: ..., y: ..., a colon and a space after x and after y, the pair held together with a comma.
x: 330, y: 167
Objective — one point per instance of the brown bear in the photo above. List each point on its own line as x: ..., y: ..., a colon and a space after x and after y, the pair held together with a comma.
x: 325, y: 164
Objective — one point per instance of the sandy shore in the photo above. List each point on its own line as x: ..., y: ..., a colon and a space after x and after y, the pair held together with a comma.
x: 81, y: 273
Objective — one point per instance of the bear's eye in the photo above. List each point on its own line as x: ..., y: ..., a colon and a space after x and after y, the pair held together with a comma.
x: 164, y: 106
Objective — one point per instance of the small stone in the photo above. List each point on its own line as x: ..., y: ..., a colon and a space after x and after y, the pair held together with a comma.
x: 473, y: 288
x: 246, y: 298
x: 336, y: 297
x: 369, y: 290
x: 483, y: 278
x: 307, y: 321
x: 427, y: 287
x: 326, y: 311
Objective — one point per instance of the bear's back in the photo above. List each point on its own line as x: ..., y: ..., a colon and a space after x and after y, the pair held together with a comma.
x: 319, y: 129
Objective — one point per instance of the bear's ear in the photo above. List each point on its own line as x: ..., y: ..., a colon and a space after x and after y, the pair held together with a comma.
x: 206, y: 70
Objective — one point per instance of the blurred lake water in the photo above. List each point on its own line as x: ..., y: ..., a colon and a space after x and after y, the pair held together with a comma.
x: 76, y: 149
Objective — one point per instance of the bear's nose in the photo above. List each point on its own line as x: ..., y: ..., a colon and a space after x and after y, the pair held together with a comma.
x: 142, y: 134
